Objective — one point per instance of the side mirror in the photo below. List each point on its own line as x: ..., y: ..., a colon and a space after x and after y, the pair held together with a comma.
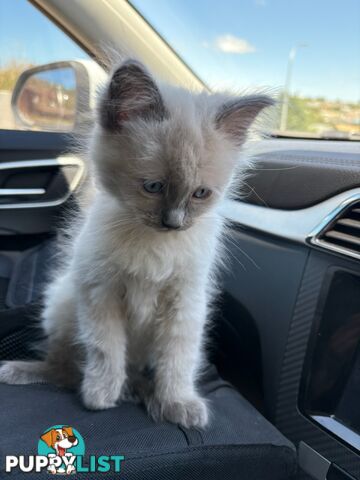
x: 52, y: 97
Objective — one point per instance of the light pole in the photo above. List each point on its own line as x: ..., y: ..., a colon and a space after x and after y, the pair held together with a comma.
x: 285, y: 100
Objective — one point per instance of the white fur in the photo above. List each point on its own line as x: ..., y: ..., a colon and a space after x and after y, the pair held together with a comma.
x: 131, y: 298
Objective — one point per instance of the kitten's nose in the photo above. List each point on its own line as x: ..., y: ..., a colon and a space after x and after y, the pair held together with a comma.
x: 173, y: 218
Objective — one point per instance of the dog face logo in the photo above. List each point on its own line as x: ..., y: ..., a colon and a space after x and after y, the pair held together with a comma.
x: 60, y: 439
x: 61, y: 444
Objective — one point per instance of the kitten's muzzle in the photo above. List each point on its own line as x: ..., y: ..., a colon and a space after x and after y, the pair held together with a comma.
x: 173, y: 219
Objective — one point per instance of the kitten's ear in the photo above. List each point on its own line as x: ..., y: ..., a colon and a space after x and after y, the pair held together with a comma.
x: 131, y: 93
x: 235, y: 117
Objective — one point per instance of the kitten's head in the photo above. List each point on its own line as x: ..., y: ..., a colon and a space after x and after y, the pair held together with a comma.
x: 168, y: 155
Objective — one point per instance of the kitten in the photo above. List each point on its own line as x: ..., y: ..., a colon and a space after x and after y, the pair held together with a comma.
x: 134, y: 294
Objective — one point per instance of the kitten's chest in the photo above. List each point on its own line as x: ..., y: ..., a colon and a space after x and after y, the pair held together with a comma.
x: 140, y: 301
x: 144, y: 264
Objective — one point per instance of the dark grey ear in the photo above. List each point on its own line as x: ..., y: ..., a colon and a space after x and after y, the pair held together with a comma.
x: 235, y: 117
x: 131, y: 93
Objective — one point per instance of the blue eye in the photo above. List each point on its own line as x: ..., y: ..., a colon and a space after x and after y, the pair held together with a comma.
x: 202, y: 193
x: 153, y: 187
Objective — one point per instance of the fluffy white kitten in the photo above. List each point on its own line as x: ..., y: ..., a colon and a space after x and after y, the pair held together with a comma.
x: 126, y: 313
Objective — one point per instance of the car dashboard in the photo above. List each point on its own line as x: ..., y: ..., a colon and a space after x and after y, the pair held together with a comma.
x: 300, y: 226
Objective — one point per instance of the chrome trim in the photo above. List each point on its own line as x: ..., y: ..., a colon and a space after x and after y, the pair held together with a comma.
x: 314, y: 239
x: 22, y: 191
x: 302, y: 226
x: 351, y: 197
x: 67, y: 160
x: 335, y: 248
x: 342, y: 431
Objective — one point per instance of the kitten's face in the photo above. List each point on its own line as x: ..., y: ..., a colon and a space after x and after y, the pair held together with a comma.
x: 166, y: 174
x: 168, y: 160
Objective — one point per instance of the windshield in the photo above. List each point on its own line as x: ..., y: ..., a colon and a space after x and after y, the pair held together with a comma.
x: 308, y: 51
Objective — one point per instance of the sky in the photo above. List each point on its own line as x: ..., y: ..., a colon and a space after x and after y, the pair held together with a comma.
x: 26, y: 35
x: 228, y: 43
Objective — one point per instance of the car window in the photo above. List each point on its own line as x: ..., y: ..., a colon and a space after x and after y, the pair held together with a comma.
x: 29, y: 39
x: 309, y: 52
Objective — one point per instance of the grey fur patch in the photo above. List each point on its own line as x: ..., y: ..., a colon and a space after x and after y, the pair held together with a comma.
x: 130, y: 93
x: 235, y: 117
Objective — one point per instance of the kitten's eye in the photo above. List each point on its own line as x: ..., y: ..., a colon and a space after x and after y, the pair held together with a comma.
x: 153, y: 187
x: 202, y: 193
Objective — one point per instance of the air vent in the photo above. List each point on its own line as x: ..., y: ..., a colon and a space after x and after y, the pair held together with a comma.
x: 342, y: 235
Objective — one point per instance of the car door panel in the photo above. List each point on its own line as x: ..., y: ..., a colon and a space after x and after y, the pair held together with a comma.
x: 39, y: 162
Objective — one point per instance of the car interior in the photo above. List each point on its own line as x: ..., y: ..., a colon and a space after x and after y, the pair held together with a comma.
x: 283, y: 373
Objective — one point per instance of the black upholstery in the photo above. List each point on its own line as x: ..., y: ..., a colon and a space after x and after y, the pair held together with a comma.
x: 238, y: 444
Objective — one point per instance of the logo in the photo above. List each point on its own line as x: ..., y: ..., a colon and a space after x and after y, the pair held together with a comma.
x: 61, y: 451
x: 61, y: 443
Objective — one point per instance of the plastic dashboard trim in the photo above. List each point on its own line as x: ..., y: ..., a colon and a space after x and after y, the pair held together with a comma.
x: 301, y: 226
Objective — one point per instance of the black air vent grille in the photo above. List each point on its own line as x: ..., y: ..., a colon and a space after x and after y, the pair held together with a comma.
x: 343, y: 234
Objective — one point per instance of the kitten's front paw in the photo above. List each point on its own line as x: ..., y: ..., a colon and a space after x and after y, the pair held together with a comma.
x: 97, y: 399
x: 187, y: 412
